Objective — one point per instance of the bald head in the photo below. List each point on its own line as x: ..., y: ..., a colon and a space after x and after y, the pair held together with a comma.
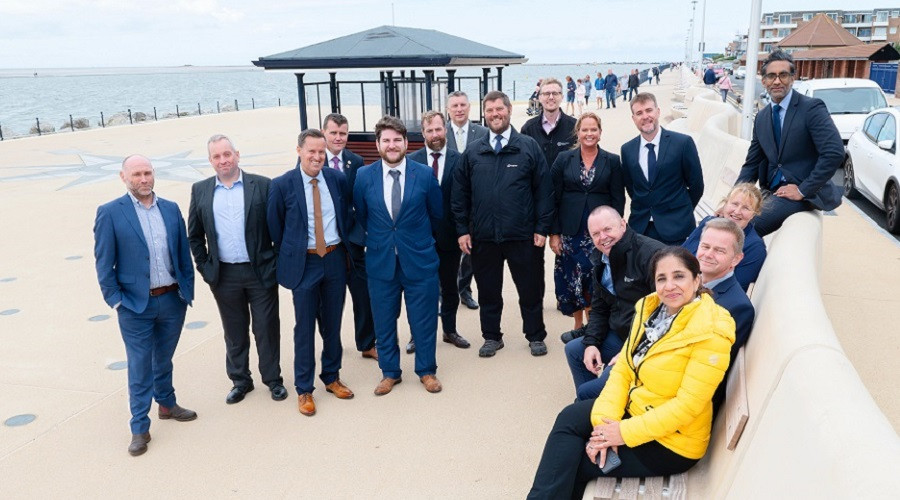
x: 606, y: 227
x: 137, y: 174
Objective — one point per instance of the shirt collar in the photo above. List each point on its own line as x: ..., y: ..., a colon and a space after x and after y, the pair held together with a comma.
x: 306, y: 177
x: 714, y: 283
x: 545, y: 121
x: 137, y: 202
x: 786, y: 101
x: 329, y: 155
x: 400, y: 168
x: 505, y: 134
x: 456, y: 130
x: 655, y: 140
x: 442, y: 151
x: 240, y: 180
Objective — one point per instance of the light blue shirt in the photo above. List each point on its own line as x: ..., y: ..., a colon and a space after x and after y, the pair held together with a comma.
x: 162, y: 272
x: 714, y: 283
x: 329, y: 215
x: 784, y: 106
x: 606, y: 277
x: 228, y: 213
x: 504, y: 137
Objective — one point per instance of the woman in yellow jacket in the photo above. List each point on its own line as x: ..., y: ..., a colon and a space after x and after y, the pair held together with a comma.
x: 655, y: 411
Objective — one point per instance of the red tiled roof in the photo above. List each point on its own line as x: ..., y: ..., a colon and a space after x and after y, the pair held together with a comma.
x: 862, y: 52
x: 820, y: 31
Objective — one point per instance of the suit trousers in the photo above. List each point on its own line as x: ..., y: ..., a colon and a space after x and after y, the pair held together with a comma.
x: 651, y: 232
x: 526, y: 265
x: 150, y: 340
x: 324, y: 280
x: 364, y: 325
x: 565, y: 468
x: 588, y: 385
x: 241, y: 297
x: 775, y: 210
x: 448, y: 270
x: 421, y: 298
x: 464, y: 283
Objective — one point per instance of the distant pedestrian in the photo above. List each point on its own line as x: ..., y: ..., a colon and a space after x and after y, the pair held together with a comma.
x: 570, y: 96
x: 634, y: 82
x: 579, y: 95
x: 586, y: 81
x: 709, y: 78
x: 656, y: 74
x: 725, y: 86
x: 612, y: 86
x: 600, y: 87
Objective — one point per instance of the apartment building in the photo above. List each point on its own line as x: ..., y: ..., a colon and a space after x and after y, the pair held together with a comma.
x: 875, y: 25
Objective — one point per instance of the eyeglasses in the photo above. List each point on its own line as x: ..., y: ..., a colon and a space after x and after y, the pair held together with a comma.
x: 784, y: 76
x: 551, y: 94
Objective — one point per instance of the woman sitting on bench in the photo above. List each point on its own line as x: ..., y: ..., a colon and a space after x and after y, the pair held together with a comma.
x: 655, y: 411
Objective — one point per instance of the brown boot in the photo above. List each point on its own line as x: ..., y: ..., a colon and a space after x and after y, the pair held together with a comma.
x: 340, y: 390
x: 386, y: 385
x: 306, y: 404
x: 432, y: 384
x: 138, y: 444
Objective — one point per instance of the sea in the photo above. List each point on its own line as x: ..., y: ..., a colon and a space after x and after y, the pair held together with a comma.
x: 52, y: 95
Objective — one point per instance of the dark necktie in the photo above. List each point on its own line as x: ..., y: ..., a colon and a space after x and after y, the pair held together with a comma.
x: 497, y: 144
x: 777, y: 176
x: 395, y: 194
x: 434, y: 164
x: 651, y: 163
x: 317, y: 216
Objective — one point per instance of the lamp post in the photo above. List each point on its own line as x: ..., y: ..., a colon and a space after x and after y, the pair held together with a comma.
x: 703, y: 32
x: 750, y: 78
x: 693, y: 15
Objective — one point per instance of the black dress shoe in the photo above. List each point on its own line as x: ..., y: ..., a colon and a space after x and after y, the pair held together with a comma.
x: 456, y: 339
x: 468, y: 301
x: 411, y: 347
x: 279, y: 393
x: 237, y: 394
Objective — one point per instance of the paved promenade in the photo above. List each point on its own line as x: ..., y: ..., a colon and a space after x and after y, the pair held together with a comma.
x: 479, y: 438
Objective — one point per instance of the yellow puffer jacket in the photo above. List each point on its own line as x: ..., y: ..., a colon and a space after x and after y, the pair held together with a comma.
x: 669, y: 394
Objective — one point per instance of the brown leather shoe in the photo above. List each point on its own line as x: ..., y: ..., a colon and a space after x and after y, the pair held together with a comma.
x: 178, y: 413
x: 138, y: 444
x: 340, y: 390
x: 432, y: 384
x: 371, y: 354
x: 306, y: 404
x: 386, y: 385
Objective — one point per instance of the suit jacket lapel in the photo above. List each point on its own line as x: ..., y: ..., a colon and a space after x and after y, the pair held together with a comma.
x: 300, y: 189
x: 127, y: 206
x: 379, y: 189
x: 637, y: 174
x: 449, y: 165
x: 335, y: 193
x: 788, y: 120
x: 599, y: 163
x: 407, y: 187
x: 766, y: 133
x: 249, y: 195
x: 170, y: 221
x: 664, y: 143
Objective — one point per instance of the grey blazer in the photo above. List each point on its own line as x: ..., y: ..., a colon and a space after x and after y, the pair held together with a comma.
x: 476, y: 132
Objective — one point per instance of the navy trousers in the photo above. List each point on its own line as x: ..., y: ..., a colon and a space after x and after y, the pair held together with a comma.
x: 774, y: 212
x: 150, y: 341
x: 421, y: 311
x: 588, y: 385
x: 324, y: 279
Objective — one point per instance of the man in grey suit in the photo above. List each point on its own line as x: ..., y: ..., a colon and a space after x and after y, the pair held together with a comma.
x: 230, y: 241
x: 463, y: 132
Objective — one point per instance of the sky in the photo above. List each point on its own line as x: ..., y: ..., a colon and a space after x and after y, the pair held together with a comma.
x: 131, y: 33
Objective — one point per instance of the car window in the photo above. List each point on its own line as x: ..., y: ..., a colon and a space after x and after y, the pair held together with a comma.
x: 850, y: 100
x: 888, y: 131
x: 874, y: 126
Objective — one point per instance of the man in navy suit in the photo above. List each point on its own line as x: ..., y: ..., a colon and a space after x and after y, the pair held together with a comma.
x: 307, y: 215
x: 720, y: 251
x: 398, y: 204
x: 443, y: 162
x: 144, y: 268
x: 662, y: 176
x: 338, y: 157
x: 794, y: 152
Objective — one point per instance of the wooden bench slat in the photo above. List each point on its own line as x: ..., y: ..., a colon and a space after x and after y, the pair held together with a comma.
x: 606, y: 488
x: 737, y: 407
x: 630, y: 488
x: 677, y: 487
x: 653, y: 487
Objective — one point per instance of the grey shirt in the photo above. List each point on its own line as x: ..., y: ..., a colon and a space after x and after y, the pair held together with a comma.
x: 162, y: 272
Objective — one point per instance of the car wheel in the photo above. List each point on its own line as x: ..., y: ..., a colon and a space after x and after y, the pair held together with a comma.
x: 891, y: 208
x: 849, y: 179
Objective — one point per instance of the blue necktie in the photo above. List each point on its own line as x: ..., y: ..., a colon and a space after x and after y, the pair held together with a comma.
x: 606, y: 277
x: 777, y: 177
x: 498, y: 145
x: 651, y: 163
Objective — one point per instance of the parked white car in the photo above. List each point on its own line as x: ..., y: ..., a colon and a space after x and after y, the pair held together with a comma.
x: 872, y: 166
x: 848, y: 100
x: 740, y: 72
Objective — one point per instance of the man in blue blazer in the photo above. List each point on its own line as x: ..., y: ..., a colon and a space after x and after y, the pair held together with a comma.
x: 662, y: 176
x: 794, y: 152
x: 398, y: 204
x: 144, y: 268
x: 307, y: 215
x: 443, y: 162
x: 719, y: 252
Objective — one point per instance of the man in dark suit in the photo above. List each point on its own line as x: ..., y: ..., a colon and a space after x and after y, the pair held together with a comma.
x: 398, y: 204
x: 307, y: 216
x: 443, y: 164
x: 662, y: 176
x: 338, y: 157
x: 234, y: 254
x: 144, y: 268
x: 720, y: 251
x: 502, y: 202
x: 463, y: 132
x: 794, y: 152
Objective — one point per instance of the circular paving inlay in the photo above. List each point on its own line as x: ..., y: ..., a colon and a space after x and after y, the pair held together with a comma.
x: 194, y: 325
x: 118, y: 365
x: 19, y: 420
x: 7, y: 280
x: 8, y: 312
x: 99, y: 317
x: 73, y: 257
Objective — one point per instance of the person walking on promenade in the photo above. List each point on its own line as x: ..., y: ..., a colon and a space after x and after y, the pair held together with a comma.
x: 662, y: 176
x: 553, y: 130
x: 656, y: 74
x: 612, y: 86
x: 579, y: 96
x: 463, y: 133
x: 709, y: 76
x: 230, y: 241
x: 503, y: 206
x: 725, y: 86
x: 794, y: 151
x: 398, y: 204
x: 583, y: 178
x: 600, y: 87
x: 586, y: 81
x: 143, y: 264
x: 443, y: 163
x: 570, y: 95
x: 307, y: 215
x: 634, y: 81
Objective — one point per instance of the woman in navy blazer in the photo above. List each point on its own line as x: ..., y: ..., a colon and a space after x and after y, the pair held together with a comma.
x: 583, y: 178
x: 742, y: 204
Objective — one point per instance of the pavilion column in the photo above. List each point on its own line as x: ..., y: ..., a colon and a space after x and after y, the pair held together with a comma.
x: 301, y: 98
x: 333, y: 90
x: 429, y: 78
x: 390, y: 94
x: 486, y: 72
x: 451, y: 81
x: 500, y: 78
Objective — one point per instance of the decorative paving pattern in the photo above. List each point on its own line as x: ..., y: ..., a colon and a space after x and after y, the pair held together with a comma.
x: 117, y: 365
x: 99, y: 317
x: 195, y: 325
x: 73, y: 257
x: 7, y: 280
x: 19, y: 420
x: 8, y: 312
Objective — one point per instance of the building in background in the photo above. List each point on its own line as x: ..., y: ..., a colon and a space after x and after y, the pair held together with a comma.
x: 875, y: 25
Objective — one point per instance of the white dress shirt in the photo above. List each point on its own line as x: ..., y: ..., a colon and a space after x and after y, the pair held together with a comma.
x: 441, y: 160
x: 389, y: 182
x: 503, y: 135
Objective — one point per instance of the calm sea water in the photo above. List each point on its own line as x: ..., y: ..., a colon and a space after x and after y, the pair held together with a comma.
x: 53, y: 94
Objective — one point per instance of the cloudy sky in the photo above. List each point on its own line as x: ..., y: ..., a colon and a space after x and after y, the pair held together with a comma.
x: 117, y: 33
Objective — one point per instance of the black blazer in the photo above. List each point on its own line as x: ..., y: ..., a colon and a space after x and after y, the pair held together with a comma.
x: 476, y: 132
x: 202, y: 234
x: 352, y: 163
x: 445, y: 232
x: 811, y: 151
x: 570, y: 196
